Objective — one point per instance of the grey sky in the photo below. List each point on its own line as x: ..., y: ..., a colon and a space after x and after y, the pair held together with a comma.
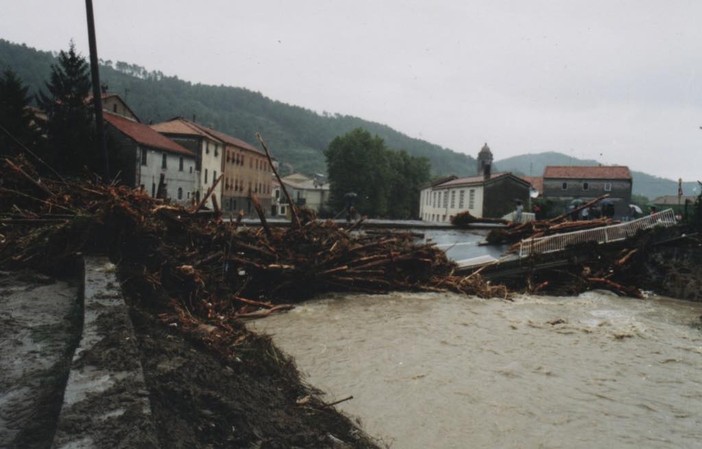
x: 615, y: 81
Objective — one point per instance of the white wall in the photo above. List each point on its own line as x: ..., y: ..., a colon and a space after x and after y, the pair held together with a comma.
x: 438, y: 204
x: 174, y: 178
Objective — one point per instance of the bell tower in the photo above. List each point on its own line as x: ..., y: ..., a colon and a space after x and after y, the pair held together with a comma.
x: 485, y: 161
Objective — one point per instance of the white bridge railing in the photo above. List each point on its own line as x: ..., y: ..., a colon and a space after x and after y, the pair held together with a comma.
x: 604, y: 234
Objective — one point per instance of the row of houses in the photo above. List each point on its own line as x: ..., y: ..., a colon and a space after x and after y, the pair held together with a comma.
x: 182, y: 160
x: 495, y: 195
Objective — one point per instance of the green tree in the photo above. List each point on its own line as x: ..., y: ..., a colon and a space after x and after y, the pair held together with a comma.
x: 18, y: 128
x: 386, y: 182
x: 70, y: 131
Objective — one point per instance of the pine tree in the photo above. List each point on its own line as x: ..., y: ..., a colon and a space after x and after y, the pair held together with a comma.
x: 70, y: 118
x: 16, y: 120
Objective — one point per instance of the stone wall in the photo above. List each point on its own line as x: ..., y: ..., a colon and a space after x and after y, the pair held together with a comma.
x: 675, y: 271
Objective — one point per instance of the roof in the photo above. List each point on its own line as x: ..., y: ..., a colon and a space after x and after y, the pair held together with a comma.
x: 144, y: 135
x: 672, y: 200
x: 587, y: 172
x: 228, y: 139
x: 302, y: 182
x: 182, y: 127
x: 475, y: 180
x: 537, y: 182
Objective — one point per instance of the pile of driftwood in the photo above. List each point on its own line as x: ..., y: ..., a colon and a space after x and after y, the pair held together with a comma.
x: 208, y: 266
x: 515, y: 232
x: 465, y: 219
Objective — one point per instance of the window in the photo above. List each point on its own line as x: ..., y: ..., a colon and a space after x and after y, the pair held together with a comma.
x: 207, y: 147
x: 216, y: 150
x: 180, y: 164
x: 143, y: 156
x: 461, y: 199
x: 586, y: 186
x: 608, y: 187
x: 214, y: 176
x: 471, y: 199
x: 564, y: 186
x: 164, y: 159
x: 453, y: 199
x: 180, y: 193
x: 445, y: 201
x: 114, y: 108
x: 205, y: 176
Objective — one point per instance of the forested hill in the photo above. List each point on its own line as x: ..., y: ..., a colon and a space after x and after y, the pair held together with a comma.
x: 296, y: 136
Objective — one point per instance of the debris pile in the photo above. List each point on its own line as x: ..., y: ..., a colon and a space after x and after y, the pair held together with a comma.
x: 515, y: 232
x: 208, y: 267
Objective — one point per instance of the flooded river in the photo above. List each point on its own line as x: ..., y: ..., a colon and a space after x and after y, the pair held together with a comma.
x: 449, y: 371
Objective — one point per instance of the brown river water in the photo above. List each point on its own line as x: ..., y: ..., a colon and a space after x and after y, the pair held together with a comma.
x: 449, y: 371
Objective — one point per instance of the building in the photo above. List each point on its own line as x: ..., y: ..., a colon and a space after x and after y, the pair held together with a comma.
x: 147, y: 159
x: 208, y: 150
x: 487, y: 196
x: 312, y: 193
x: 247, y: 173
x: 566, y: 184
x: 245, y: 170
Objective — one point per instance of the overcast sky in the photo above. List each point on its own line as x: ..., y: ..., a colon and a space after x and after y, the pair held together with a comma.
x: 614, y: 81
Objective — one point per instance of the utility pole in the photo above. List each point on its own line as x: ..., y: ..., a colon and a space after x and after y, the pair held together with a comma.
x: 97, y: 94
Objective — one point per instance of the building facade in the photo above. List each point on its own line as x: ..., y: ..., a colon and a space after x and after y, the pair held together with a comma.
x: 565, y: 184
x: 149, y: 160
x: 209, y: 152
x: 488, y: 196
x: 312, y: 193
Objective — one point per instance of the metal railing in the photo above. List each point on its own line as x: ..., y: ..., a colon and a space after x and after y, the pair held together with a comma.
x: 604, y: 234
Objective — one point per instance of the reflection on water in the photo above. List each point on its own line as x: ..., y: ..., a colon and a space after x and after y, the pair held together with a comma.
x: 448, y: 371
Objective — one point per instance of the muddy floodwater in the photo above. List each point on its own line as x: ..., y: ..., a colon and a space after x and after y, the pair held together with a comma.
x: 447, y: 371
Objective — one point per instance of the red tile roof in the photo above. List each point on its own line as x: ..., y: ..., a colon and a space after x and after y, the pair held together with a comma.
x: 144, y: 135
x: 592, y: 172
x: 228, y: 139
x: 537, y: 182
x: 182, y: 127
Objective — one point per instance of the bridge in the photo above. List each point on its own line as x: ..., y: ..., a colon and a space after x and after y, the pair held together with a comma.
x: 601, y: 235
x: 558, y: 243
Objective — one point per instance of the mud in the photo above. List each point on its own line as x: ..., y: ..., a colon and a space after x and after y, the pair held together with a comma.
x: 39, y: 329
x: 197, y: 399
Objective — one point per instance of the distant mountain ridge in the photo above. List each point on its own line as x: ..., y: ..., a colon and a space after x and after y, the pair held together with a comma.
x: 643, y: 184
x: 296, y: 136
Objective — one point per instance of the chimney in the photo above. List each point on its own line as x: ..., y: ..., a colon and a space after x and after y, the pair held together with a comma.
x: 486, y: 171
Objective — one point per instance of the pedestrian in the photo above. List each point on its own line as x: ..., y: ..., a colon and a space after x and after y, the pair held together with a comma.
x: 518, y: 212
x: 585, y: 214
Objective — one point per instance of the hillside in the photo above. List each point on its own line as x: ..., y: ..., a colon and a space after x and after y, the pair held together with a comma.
x: 297, y: 136
x: 643, y: 183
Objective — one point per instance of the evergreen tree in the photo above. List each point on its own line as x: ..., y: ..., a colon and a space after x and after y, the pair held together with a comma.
x: 70, y: 118
x: 16, y: 119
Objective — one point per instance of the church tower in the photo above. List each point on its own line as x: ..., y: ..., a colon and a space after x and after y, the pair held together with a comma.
x: 485, y: 161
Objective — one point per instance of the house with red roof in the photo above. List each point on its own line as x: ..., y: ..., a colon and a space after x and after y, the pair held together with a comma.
x: 147, y: 159
x: 567, y: 184
x: 208, y: 149
x: 247, y: 173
